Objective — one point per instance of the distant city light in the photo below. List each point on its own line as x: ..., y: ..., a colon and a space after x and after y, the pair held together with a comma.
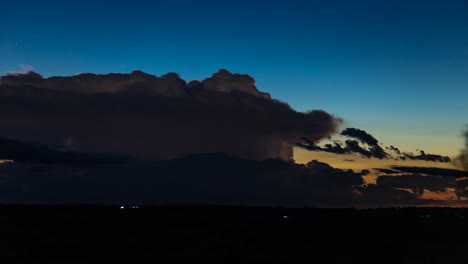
x: 130, y: 206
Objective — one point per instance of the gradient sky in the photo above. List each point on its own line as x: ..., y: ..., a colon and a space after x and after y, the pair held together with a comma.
x: 397, y: 69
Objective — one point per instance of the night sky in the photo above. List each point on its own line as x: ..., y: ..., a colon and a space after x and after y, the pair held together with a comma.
x: 396, y: 69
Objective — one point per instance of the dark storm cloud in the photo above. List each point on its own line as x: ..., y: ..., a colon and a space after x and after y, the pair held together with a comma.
x: 366, y: 145
x: 425, y: 156
x: 33, y: 152
x: 308, y: 144
x: 169, y: 84
x: 350, y: 146
x: 418, y: 183
x: 42, y: 174
x: 374, y: 149
x: 394, y: 149
x: 407, y: 190
x: 371, y: 152
x: 421, y: 179
x: 335, y: 147
x: 387, y: 171
x: 155, y: 117
x: 224, y: 81
x: 373, y: 195
x: 361, y: 135
x: 196, y: 179
x: 430, y: 171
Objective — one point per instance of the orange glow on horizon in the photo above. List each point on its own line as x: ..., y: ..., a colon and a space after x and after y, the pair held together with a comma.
x: 358, y: 163
x: 449, y: 195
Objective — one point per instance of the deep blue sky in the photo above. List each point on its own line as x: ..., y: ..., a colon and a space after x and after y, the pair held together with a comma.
x: 398, y: 69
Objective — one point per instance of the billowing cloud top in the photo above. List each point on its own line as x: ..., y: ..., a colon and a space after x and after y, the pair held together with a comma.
x: 154, y: 117
x: 168, y: 85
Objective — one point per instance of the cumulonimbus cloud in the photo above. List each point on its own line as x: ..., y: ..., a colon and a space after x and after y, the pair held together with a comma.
x: 156, y: 117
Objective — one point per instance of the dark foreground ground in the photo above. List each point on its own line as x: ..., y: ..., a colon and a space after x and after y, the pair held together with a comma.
x: 194, y: 234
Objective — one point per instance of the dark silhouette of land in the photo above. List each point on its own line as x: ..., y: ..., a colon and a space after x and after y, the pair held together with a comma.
x: 224, y: 234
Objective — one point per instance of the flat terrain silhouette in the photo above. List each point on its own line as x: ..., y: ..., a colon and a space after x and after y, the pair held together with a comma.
x: 224, y: 234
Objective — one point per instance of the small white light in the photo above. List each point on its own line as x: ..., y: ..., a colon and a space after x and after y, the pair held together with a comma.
x: 122, y: 207
x: 285, y: 216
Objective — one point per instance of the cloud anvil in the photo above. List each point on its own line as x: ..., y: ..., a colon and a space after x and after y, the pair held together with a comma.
x: 155, y: 117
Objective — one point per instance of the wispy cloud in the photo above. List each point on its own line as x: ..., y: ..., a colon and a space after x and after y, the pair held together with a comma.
x: 22, y: 69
